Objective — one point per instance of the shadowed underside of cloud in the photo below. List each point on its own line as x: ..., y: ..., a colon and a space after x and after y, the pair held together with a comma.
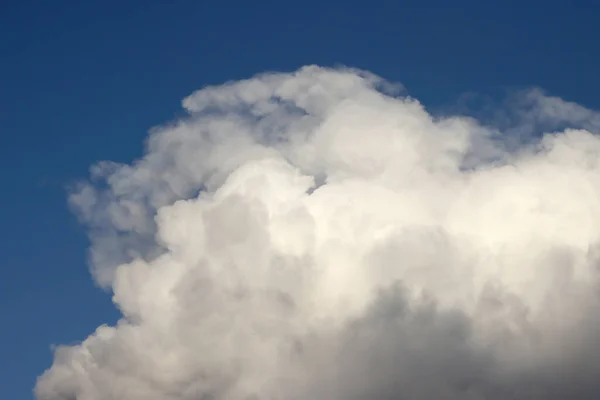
x: 316, y: 235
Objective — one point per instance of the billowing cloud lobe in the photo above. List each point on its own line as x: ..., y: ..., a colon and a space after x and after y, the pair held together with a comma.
x: 317, y: 235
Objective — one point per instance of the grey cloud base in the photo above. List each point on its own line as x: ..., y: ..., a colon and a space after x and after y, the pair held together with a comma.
x: 315, y: 235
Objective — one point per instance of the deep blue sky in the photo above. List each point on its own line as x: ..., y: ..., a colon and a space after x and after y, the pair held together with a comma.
x: 82, y: 81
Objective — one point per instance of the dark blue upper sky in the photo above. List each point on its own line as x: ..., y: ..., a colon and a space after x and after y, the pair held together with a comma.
x: 82, y: 81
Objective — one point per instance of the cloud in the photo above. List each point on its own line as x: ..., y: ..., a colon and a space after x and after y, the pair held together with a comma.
x: 318, y: 235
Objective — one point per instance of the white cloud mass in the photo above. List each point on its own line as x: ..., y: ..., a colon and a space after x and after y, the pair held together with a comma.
x: 317, y: 235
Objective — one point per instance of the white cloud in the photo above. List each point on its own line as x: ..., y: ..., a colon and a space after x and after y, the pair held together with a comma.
x: 312, y: 236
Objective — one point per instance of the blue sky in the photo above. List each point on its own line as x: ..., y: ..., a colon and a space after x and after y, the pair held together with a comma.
x: 84, y: 81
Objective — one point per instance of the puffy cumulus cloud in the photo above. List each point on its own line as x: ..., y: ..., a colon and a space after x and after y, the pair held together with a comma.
x: 317, y: 235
